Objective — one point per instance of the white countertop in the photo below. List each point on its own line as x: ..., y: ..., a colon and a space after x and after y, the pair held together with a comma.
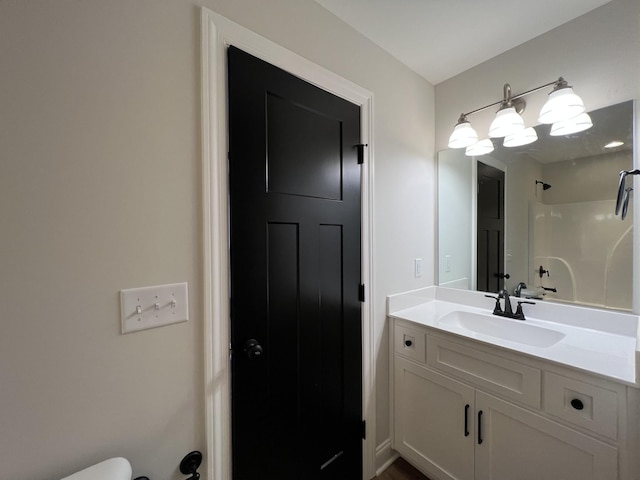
x: 609, y: 349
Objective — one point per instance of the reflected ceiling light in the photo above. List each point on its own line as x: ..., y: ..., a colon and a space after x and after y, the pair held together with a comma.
x: 562, y: 104
x: 574, y: 125
x: 523, y: 137
x: 463, y: 134
x: 614, y: 144
x: 479, y: 148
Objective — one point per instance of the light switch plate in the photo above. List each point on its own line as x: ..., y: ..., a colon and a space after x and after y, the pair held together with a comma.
x: 151, y: 307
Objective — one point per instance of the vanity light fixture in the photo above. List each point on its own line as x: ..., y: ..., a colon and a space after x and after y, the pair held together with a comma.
x: 479, y: 148
x: 573, y: 125
x: 463, y: 134
x: 563, y: 104
x: 508, y: 121
x: 523, y: 137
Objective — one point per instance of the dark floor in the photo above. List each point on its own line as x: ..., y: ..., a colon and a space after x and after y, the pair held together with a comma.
x: 401, y: 470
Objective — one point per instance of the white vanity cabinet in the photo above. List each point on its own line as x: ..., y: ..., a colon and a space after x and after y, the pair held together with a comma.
x: 464, y: 410
x: 434, y: 417
x: 514, y: 443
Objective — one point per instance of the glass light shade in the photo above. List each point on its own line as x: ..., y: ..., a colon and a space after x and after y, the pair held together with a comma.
x: 562, y: 105
x: 573, y: 125
x: 463, y: 135
x: 479, y: 148
x: 523, y: 137
x: 507, y: 121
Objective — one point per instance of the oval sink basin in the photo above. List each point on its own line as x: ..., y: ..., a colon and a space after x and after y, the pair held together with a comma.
x: 505, y: 328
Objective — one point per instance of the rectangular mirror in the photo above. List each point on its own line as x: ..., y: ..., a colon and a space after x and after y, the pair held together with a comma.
x: 539, y: 220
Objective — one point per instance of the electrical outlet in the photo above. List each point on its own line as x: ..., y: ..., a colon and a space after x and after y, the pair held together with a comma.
x: 418, y: 267
x: 447, y: 263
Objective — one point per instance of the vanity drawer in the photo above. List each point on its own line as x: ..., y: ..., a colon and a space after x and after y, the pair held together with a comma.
x: 583, y: 404
x: 410, y: 342
x: 492, y: 373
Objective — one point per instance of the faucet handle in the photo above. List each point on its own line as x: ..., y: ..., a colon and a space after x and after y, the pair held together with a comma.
x: 497, y: 308
x: 519, y: 313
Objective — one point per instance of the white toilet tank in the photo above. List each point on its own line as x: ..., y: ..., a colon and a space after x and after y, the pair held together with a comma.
x: 112, y: 469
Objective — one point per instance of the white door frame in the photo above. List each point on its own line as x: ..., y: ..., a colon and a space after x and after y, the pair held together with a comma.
x: 217, y: 33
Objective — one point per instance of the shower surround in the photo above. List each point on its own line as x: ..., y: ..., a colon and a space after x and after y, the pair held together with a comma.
x: 587, y: 251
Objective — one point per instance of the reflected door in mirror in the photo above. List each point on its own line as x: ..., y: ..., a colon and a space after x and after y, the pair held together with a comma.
x: 490, y: 256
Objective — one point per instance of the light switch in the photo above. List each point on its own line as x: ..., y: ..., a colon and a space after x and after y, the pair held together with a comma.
x: 151, y: 307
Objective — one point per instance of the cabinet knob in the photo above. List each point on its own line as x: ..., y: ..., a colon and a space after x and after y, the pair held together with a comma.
x: 408, y: 343
x: 577, y: 404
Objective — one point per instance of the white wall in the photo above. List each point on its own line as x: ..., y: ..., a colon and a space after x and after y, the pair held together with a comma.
x: 100, y: 189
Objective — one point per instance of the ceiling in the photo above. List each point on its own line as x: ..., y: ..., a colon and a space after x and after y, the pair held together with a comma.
x: 439, y: 39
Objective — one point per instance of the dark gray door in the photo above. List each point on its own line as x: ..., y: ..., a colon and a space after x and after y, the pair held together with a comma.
x: 295, y: 276
x: 490, y: 251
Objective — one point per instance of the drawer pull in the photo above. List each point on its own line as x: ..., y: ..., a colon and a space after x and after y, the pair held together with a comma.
x: 408, y: 343
x: 466, y: 420
x: 577, y: 404
x: 480, y: 428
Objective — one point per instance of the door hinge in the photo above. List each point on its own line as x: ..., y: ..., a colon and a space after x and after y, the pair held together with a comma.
x: 364, y: 429
x: 360, y: 148
x: 361, y: 292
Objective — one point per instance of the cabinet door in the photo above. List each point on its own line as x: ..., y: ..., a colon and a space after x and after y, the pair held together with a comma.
x: 433, y: 424
x: 512, y: 443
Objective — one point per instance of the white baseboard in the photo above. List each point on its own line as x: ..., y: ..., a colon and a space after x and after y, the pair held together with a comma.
x: 385, y: 456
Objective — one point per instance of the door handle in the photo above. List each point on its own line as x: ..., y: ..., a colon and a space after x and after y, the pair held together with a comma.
x: 480, y: 428
x: 252, y: 348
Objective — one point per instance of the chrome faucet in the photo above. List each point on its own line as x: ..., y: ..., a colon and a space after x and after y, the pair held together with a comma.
x: 508, y: 311
x: 518, y: 290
